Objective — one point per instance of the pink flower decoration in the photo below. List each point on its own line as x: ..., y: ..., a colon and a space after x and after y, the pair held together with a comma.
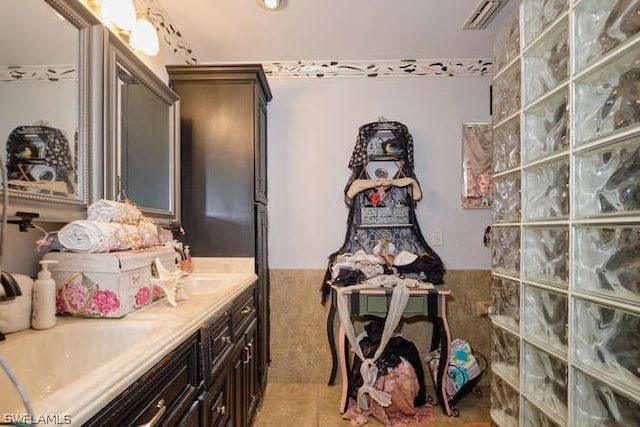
x: 142, y: 296
x: 104, y: 301
x: 60, y: 305
x: 76, y: 295
x: 157, y: 293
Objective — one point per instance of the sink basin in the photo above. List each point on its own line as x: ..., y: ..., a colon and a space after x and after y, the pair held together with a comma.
x: 46, y: 361
x: 210, y: 283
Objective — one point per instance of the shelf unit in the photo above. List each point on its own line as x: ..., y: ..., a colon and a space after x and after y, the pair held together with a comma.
x: 566, y: 220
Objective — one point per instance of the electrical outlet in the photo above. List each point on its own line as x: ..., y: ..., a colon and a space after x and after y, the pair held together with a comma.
x: 437, y: 238
x: 483, y: 308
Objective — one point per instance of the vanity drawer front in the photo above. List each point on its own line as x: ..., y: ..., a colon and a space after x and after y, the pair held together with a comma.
x: 163, y: 395
x: 216, y: 406
x: 217, y: 344
x: 244, y: 310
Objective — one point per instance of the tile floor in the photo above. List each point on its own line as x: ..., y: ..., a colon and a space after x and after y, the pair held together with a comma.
x: 316, y: 405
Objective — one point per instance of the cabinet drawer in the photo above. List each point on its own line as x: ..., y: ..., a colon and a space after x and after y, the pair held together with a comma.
x: 163, y: 395
x: 217, y: 344
x: 192, y: 417
x: 216, y: 406
x: 243, y: 311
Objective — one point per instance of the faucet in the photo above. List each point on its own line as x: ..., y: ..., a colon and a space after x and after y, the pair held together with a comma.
x: 11, y: 290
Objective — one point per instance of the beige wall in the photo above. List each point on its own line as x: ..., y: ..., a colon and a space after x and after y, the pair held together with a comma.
x: 299, y: 347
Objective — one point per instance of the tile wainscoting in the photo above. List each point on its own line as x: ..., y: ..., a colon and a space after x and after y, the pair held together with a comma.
x: 299, y: 349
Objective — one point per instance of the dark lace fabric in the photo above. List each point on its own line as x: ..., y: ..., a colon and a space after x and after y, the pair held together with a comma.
x: 360, y: 157
x: 398, y: 347
x: 407, y: 237
x: 28, y: 146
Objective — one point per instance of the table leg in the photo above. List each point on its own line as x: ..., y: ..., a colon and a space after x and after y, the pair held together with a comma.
x: 332, y: 343
x: 344, y: 367
x: 442, y: 325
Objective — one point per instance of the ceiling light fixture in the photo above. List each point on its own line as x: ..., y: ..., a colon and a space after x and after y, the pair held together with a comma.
x: 483, y: 14
x: 144, y: 37
x: 120, y: 13
x: 272, y: 4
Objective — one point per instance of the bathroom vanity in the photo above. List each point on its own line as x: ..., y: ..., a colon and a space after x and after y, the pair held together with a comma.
x: 192, y: 365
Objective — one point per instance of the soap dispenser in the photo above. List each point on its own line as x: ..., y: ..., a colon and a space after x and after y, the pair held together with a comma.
x: 43, y: 313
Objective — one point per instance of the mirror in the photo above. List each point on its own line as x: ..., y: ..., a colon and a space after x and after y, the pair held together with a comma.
x: 143, y: 127
x: 45, y: 85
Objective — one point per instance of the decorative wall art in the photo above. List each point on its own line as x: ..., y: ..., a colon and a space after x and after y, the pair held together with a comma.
x: 380, y: 68
x: 477, y: 156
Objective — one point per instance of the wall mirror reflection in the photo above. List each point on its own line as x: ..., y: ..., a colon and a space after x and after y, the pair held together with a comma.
x: 477, y: 161
x: 44, y: 87
x: 143, y: 126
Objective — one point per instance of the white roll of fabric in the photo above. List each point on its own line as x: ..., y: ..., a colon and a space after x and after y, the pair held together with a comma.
x: 113, y: 211
x: 100, y: 236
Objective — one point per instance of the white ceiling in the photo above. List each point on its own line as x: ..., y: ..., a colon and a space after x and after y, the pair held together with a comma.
x: 242, y: 31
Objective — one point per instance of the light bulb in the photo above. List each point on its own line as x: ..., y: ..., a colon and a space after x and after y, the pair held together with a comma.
x: 144, y: 37
x: 120, y: 13
x: 271, y: 4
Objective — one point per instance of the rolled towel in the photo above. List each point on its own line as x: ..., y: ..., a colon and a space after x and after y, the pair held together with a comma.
x: 112, y: 211
x: 99, y: 236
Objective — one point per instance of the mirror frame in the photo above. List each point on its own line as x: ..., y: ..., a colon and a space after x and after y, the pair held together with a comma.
x: 52, y: 208
x: 119, y: 53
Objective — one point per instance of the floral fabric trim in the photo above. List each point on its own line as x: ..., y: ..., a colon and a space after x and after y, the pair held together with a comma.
x: 400, y: 68
x: 38, y: 73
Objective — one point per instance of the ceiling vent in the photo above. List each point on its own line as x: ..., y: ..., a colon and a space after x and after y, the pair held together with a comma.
x: 483, y: 14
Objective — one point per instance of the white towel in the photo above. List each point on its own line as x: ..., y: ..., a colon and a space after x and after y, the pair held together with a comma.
x: 112, y: 211
x: 99, y: 236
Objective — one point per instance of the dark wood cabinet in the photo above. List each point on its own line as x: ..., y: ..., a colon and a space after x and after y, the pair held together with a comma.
x: 217, y: 406
x: 164, y: 396
x: 211, y: 379
x: 231, y: 362
x: 192, y: 417
x: 223, y: 130
x: 261, y: 149
x: 217, y: 343
x: 245, y: 379
x: 262, y: 269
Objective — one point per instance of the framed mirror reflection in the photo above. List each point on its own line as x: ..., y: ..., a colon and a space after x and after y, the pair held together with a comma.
x: 142, y: 128
x: 50, y: 67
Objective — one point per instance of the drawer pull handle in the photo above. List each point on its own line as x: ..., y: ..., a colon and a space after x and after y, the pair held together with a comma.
x: 162, y: 407
x: 247, y: 356
x: 246, y: 310
x: 221, y: 409
x: 226, y: 339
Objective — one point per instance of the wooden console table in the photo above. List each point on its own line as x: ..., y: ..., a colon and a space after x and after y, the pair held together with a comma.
x: 429, y: 303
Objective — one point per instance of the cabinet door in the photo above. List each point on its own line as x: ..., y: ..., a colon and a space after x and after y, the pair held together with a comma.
x: 217, y: 163
x: 262, y: 270
x: 192, y: 417
x: 245, y: 377
x: 238, y: 402
x: 261, y: 150
x: 251, y: 369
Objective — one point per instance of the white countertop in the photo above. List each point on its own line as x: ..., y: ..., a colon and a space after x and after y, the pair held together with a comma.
x: 162, y: 327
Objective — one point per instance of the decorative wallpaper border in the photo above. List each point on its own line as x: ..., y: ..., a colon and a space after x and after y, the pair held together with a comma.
x: 167, y: 30
x: 400, y: 68
x: 38, y: 73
